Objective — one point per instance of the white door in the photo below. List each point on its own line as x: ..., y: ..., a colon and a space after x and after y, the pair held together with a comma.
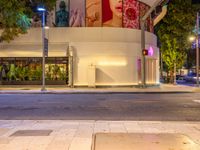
x: 150, y: 71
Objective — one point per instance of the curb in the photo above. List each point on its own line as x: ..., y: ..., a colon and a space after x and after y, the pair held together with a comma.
x: 95, y: 92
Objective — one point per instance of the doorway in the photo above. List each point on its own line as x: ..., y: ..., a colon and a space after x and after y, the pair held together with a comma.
x: 151, y: 71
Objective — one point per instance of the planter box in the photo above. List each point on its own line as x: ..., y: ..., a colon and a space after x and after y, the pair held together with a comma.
x: 58, y: 82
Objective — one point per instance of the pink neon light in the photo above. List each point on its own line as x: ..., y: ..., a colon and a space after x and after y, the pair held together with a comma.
x: 150, y: 51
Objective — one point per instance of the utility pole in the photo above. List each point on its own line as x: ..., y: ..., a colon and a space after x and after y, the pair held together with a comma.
x: 43, y: 54
x: 43, y: 10
x: 143, y: 70
x: 197, y: 50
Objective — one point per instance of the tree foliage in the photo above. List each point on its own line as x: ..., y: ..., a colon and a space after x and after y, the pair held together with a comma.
x: 15, y: 16
x: 173, y: 32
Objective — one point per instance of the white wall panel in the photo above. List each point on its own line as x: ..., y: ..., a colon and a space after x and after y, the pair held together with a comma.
x: 114, y: 51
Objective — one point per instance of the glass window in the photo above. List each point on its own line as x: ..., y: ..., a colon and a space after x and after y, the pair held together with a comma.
x: 30, y: 69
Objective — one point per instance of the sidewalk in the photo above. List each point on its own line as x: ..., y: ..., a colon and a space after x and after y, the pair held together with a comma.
x: 77, y: 135
x: 163, y: 88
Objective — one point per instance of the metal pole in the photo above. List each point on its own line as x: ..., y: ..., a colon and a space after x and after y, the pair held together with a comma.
x: 143, y: 57
x: 197, y: 50
x: 43, y: 53
x: 161, y: 65
x: 71, y: 84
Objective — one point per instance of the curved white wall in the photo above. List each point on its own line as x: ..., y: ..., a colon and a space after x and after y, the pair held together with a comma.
x: 114, y: 51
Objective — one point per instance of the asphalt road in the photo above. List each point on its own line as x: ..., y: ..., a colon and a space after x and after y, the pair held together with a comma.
x: 154, y: 107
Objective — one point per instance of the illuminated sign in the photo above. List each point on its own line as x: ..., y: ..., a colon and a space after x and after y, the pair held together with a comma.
x: 150, y: 51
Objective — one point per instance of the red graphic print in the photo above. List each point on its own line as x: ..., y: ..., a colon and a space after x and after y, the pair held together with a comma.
x: 149, y: 23
x: 131, y: 14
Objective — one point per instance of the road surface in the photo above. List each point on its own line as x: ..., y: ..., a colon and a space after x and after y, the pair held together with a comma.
x: 136, y: 107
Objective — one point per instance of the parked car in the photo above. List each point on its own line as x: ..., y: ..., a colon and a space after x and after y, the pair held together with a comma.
x: 180, y: 77
x: 191, y: 77
x: 194, y: 79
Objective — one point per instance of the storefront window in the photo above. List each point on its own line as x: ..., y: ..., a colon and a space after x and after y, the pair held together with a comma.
x: 30, y: 69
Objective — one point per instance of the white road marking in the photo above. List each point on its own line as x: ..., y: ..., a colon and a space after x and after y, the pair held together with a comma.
x: 197, y: 101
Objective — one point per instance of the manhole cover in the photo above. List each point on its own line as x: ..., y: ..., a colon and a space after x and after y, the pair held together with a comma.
x: 32, y: 133
x: 121, y: 141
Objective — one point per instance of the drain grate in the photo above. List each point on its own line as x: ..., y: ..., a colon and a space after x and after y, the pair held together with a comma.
x: 32, y: 133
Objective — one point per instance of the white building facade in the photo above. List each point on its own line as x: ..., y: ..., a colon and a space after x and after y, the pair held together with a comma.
x: 97, y: 56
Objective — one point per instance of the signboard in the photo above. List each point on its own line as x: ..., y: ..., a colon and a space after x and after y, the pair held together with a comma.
x: 46, y: 47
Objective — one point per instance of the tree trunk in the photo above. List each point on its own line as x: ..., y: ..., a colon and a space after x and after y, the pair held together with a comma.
x: 167, y: 79
x: 171, y: 76
x: 175, y: 73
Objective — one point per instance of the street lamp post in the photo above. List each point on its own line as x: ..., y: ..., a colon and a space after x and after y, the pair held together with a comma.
x: 43, y: 10
x: 192, y: 38
x: 197, y: 50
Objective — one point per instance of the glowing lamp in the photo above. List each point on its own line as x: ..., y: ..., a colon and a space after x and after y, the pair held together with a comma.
x: 150, y: 51
x: 41, y: 9
x: 145, y: 52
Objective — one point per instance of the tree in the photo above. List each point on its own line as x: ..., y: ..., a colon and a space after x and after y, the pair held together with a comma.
x: 191, y: 58
x: 172, y: 56
x: 15, y: 16
x: 173, y: 32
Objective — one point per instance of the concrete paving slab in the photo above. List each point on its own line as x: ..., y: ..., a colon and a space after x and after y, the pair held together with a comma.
x: 81, y: 144
x: 143, y: 141
x: 119, y: 127
x: 3, y: 141
x: 77, y: 134
x: 39, y: 143
x: 59, y: 143
x: 3, y: 131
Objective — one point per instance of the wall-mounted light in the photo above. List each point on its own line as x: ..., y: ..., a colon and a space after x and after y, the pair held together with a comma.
x: 112, y: 63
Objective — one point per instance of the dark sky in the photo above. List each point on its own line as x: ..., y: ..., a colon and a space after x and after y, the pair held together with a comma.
x: 195, y: 1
